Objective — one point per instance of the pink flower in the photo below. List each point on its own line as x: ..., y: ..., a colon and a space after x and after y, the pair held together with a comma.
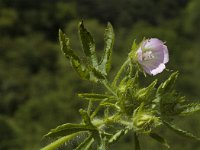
x: 152, y: 56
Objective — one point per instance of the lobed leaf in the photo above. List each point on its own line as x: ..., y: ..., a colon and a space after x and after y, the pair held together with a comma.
x: 54, y: 145
x: 98, y: 74
x: 190, y: 108
x: 137, y: 143
x: 74, y: 59
x: 159, y: 139
x: 68, y: 128
x: 86, y: 144
x: 65, y: 46
x: 88, y: 44
x: 180, y: 131
x: 94, y: 96
x: 109, y: 41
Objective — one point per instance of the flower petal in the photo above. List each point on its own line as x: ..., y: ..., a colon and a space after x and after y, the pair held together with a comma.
x: 166, y: 54
x: 159, y: 69
x: 154, y: 44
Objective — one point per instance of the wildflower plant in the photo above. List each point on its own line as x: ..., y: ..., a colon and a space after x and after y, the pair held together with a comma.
x: 125, y: 106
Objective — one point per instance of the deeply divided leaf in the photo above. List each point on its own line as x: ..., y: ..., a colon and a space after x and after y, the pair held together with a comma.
x: 88, y: 44
x: 190, y: 108
x: 109, y: 41
x: 68, y: 128
x: 94, y: 96
x: 159, y: 139
x: 86, y: 144
x: 180, y: 131
x: 137, y: 143
x: 74, y: 59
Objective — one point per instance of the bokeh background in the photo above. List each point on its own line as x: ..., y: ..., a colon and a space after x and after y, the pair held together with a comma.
x: 37, y: 85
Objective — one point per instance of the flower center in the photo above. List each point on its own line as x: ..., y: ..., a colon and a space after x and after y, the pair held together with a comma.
x: 148, y: 55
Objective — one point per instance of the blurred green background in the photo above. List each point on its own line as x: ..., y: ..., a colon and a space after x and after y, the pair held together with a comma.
x: 38, y: 87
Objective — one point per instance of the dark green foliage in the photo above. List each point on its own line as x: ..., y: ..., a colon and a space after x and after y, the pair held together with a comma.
x: 159, y: 139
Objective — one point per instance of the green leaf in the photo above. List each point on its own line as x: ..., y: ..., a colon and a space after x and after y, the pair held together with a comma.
x: 88, y: 44
x: 168, y: 84
x: 74, y: 59
x: 117, y: 136
x: 109, y: 41
x: 68, y: 128
x: 181, y: 132
x: 190, y: 108
x: 98, y: 74
x: 137, y: 143
x: 82, y: 71
x: 159, y: 139
x: 86, y: 144
x: 94, y: 96
x: 65, y: 46
x: 54, y: 145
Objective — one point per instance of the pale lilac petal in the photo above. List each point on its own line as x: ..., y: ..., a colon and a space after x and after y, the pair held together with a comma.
x: 146, y: 69
x: 159, y: 69
x: 166, y: 54
x: 154, y: 44
x: 152, y: 56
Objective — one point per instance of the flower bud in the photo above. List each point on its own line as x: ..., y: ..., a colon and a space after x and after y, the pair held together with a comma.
x: 145, y: 122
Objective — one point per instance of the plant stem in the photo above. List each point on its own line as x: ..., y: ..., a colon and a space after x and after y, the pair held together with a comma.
x: 120, y: 72
x: 95, y: 111
x: 106, y: 84
x: 89, y: 107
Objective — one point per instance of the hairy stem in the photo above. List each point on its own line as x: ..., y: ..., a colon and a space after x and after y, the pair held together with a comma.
x: 108, y: 87
x: 120, y: 72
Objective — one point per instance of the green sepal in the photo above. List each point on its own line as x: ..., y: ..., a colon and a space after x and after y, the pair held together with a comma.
x: 88, y: 44
x: 160, y: 139
x: 109, y: 36
x: 180, y: 131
